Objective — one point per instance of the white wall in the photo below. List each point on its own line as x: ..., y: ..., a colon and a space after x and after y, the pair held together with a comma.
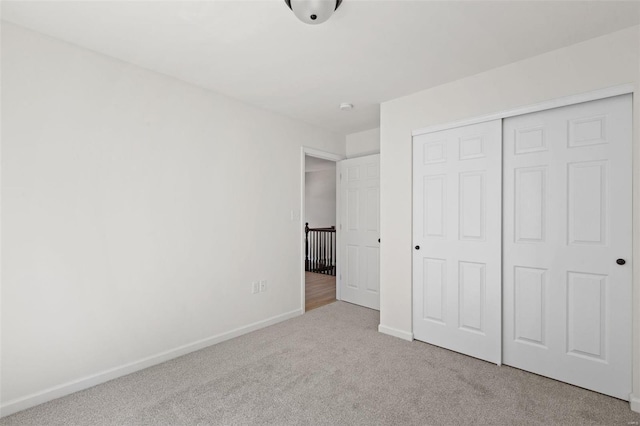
x: 320, y: 198
x: 363, y: 143
x: 136, y: 210
x: 595, y: 64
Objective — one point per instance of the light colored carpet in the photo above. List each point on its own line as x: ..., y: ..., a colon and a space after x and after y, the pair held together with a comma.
x: 330, y: 367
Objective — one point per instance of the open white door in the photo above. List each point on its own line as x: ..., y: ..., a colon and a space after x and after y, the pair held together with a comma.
x: 567, y: 244
x: 457, y: 237
x: 359, y: 275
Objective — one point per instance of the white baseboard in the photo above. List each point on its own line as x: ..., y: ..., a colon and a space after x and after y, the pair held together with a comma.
x: 64, y: 389
x: 404, y: 335
x: 634, y: 403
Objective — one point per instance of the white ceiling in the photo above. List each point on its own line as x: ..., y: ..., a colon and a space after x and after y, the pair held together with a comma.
x: 367, y: 53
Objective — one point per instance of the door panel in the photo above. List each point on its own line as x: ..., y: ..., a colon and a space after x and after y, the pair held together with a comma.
x: 567, y: 218
x: 457, y: 224
x: 360, y: 230
x: 529, y: 301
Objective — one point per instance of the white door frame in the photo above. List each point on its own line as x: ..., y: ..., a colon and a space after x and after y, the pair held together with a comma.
x: 312, y: 152
x: 634, y: 398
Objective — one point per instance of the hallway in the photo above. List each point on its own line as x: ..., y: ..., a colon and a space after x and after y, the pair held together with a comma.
x: 320, y: 290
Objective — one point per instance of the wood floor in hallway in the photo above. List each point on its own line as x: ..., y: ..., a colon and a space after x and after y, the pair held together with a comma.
x: 320, y: 290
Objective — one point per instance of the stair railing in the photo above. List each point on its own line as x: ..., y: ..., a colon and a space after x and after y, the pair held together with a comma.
x: 320, y: 250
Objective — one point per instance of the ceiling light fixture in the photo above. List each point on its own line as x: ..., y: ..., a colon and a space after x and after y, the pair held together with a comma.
x: 346, y: 107
x: 313, y: 11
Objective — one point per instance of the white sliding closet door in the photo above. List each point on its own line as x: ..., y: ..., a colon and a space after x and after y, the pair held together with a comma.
x: 567, y: 226
x: 360, y: 231
x: 457, y: 236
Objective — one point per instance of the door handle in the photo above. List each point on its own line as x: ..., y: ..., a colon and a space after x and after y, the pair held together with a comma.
x: 621, y: 261
x: 417, y: 247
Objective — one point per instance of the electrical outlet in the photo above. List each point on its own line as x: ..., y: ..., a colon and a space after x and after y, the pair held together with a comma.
x: 263, y: 285
x: 255, y: 287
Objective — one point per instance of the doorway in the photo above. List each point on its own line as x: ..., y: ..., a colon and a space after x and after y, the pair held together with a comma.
x: 319, y: 233
x: 340, y: 261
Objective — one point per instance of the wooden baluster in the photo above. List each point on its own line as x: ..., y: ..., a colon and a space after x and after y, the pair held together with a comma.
x: 319, y: 251
x: 331, y: 255
x: 329, y: 245
x: 306, y: 246
x: 335, y: 252
x: 324, y: 251
x: 313, y: 252
x: 322, y: 246
x: 327, y: 248
x: 326, y: 245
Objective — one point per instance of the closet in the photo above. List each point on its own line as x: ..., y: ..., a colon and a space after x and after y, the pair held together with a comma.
x: 522, y: 233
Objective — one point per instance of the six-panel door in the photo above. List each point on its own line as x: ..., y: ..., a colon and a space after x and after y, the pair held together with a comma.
x: 360, y: 231
x: 567, y: 220
x: 457, y: 236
